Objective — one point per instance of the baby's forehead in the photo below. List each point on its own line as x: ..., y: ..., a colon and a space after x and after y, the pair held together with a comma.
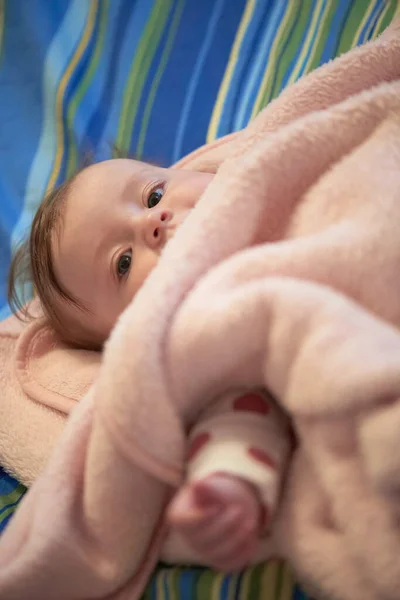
x: 117, y: 166
x: 109, y: 178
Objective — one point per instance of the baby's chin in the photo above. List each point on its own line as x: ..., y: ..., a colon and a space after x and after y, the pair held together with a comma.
x: 96, y: 335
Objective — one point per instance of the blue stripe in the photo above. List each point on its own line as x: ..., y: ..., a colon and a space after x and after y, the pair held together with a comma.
x: 298, y: 594
x: 336, y: 27
x: 187, y: 583
x: 259, y: 62
x: 4, y: 523
x: 7, y: 506
x: 165, y: 584
x: 162, y: 127
x: 284, y: 46
x: 225, y: 585
x: 73, y: 85
x: 7, y: 483
x: 106, y: 84
x: 195, y: 78
x: 343, y: 24
x: 59, y: 54
x: 311, y: 43
x: 137, y: 125
x: 371, y: 23
x: 132, y: 35
x: 293, y: 63
x: 239, y: 585
x: 366, y: 26
x: 253, y: 38
x: 20, y: 107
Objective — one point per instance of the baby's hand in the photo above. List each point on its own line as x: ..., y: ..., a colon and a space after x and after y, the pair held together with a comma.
x: 221, y: 518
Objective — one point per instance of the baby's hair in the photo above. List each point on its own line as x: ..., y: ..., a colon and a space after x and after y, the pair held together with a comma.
x: 33, y: 260
x: 33, y: 263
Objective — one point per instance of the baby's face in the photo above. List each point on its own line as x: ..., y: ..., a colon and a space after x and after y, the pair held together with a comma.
x: 118, y: 218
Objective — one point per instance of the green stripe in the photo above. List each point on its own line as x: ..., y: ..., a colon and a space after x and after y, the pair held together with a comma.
x: 153, y: 41
x: 157, y: 77
x: 372, y: 26
x: 244, y: 586
x: 174, y: 583
x: 358, y: 9
x: 204, y: 584
x: 387, y: 19
x: 7, y: 513
x: 233, y: 584
x: 255, y: 588
x: 279, y: 580
x: 72, y: 164
x: 316, y: 59
x: 11, y: 498
x: 291, y: 50
x: 280, y: 42
x: 143, y: 58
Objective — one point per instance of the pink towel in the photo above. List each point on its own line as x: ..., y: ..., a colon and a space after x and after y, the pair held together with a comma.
x: 285, y: 275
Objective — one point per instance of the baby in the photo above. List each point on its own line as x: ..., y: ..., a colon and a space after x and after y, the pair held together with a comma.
x: 93, y: 243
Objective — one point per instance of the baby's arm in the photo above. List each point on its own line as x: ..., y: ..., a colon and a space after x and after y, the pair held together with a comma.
x: 236, y: 459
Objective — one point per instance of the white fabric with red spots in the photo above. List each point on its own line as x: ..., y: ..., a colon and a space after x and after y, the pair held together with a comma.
x: 244, y: 435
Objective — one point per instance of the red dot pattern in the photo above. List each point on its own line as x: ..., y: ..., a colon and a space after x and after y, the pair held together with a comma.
x: 197, y: 444
x: 252, y: 402
x: 262, y: 457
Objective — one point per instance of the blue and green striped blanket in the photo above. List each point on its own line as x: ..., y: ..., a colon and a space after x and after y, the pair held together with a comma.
x: 155, y: 79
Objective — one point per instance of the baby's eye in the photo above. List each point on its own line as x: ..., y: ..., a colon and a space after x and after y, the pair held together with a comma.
x: 155, y: 197
x: 124, y: 263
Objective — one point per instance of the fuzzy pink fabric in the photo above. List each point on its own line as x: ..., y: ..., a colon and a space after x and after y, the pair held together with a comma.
x: 284, y: 276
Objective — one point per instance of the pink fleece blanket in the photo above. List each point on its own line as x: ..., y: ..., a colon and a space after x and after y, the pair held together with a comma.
x: 285, y: 276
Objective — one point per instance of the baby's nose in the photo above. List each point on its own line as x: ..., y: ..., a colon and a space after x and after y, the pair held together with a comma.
x: 155, y: 224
